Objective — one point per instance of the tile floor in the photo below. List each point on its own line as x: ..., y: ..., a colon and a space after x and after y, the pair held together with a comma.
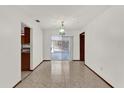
x: 24, y: 74
x: 56, y: 74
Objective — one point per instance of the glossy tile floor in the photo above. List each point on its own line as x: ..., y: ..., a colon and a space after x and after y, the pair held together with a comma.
x: 24, y: 74
x: 65, y: 74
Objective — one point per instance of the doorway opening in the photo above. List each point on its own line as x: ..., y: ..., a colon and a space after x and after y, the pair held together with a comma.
x: 82, y: 46
x: 61, y: 48
x: 25, y: 50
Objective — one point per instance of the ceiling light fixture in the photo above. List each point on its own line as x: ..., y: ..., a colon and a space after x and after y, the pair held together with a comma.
x: 61, y: 30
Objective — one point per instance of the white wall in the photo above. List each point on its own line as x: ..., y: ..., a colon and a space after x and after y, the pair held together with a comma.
x: 37, y: 47
x: 105, y: 46
x: 47, y: 42
x: 10, y: 45
x: 9, y: 49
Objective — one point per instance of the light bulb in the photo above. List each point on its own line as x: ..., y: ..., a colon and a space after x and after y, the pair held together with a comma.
x: 61, y: 30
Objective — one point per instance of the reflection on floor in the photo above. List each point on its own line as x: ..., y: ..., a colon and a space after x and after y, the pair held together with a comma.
x: 25, y: 74
x: 62, y: 75
x: 61, y: 55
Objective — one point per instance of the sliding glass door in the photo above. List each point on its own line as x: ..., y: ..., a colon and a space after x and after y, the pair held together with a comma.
x: 61, y: 48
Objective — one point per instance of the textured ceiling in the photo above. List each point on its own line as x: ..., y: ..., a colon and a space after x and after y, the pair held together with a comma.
x: 74, y: 17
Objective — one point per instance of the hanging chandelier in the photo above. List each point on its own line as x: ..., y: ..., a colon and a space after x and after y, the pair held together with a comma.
x: 61, y: 30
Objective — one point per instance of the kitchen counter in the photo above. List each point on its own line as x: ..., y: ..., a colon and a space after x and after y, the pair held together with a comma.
x: 25, y: 50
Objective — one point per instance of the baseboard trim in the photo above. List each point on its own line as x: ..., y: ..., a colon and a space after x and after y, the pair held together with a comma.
x: 28, y: 75
x: 75, y: 60
x: 37, y: 65
x: 98, y: 76
x: 17, y: 84
x: 72, y: 60
x: 46, y: 60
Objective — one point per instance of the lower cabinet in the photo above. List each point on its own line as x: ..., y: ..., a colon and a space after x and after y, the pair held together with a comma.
x: 25, y: 59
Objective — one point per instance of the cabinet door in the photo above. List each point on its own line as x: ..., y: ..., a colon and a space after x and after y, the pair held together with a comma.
x: 22, y: 39
x: 25, y: 59
x: 27, y: 35
x: 82, y: 47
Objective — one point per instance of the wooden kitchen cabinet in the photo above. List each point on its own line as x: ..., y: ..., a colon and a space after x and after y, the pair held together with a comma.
x: 25, y: 38
x: 25, y: 59
x: 25, y: 49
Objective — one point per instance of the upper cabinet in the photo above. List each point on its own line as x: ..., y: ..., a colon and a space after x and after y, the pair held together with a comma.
x: 25, y: 36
